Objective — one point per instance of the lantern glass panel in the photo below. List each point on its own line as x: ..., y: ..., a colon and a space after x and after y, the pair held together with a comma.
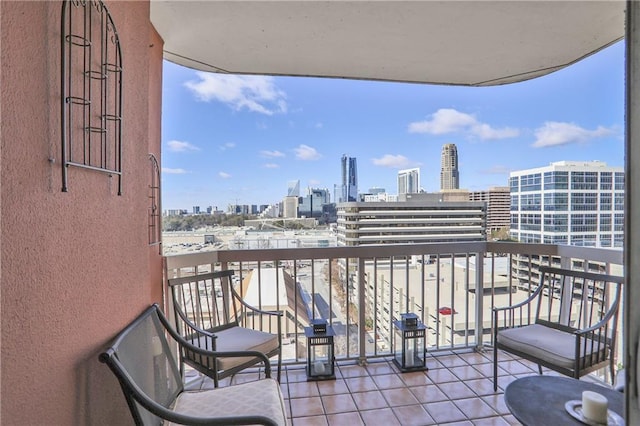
x: 321, y: 356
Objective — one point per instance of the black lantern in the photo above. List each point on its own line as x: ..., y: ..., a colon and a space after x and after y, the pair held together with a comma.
x: 409, y: 343
x: 320, y: 357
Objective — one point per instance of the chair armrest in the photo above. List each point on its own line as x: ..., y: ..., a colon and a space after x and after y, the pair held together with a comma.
x: 237, y: 297
x: 114, y: 364
x: 520, y: 304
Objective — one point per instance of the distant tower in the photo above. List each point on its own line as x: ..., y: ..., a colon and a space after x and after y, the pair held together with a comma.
x: 293, y: 188
x: 449, y: 177
x: 349, y: 179
x: 409, y: 181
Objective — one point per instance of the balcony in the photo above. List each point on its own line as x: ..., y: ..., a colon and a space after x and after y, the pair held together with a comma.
x: 360, y: 290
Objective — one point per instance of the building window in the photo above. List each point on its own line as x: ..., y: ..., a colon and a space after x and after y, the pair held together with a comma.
x: 618, y: 202
x: 556, y: 223
x: 530, y: 202
x: 584, y: 201
x: 584, y: 180
x: 605, y: 223
x: 530, y: 182
x: 618, y: 222
x: 619, y: 181
x: 91, y: 76
x: 556, y: 180
x: 605, y: 202
x: 606, y: 181
x: 556, y: 202
x: 514, y: 203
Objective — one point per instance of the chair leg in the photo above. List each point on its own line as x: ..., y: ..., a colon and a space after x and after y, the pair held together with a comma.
x: 540, y: 369
x: 279, y: 363
x: 495, y: 367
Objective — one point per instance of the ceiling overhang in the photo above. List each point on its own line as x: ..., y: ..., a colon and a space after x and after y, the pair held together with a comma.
x: 472, y: 43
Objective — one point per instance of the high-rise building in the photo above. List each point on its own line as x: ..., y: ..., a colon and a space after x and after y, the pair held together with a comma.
x: 568, y: 202
x: 312, y: 204
x: 349, y: 180
x: 498, y: 201
x: 293, y: 188
x: 449, y: 175
x: 409, y: 181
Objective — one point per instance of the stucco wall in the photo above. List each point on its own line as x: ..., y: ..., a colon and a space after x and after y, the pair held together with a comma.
x: 76, y: 266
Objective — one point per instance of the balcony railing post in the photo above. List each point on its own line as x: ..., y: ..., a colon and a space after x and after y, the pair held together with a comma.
x: 479, y: 332
x: 362, y: 331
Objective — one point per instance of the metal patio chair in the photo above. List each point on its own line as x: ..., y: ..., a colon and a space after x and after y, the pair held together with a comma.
x: 211, y: 314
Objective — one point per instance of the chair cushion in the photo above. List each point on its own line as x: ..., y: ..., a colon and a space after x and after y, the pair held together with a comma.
x: 241, y: 339
x: 554, y: 346
x: 259, y: 398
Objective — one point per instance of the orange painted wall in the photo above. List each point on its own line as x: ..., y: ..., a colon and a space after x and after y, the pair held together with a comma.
x: 75, y: 266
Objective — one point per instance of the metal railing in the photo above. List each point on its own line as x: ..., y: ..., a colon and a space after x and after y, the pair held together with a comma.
x: 361, y: 290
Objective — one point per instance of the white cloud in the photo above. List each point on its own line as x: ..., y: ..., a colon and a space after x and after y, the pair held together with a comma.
x: 227, y: 145
x: 271, y: 154
x: 305, y: 152
x: 254, y: 93
x: 224, y: 175
x: 181, y: 146
x: 555, y: 133
x: 447, y: 120
x: 392, y: 161
x: 174, y: 171
x: 272, y: 166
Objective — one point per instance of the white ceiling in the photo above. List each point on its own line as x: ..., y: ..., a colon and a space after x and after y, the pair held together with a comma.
x: 474, y: 43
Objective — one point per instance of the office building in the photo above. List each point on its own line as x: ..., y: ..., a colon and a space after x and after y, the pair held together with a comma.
x: 568, y: 202
x: 449, y: 175
x: 498, y: 201
x: 290, y: 207
x: 349, y: 183
x: 405, y: 222
x: 312, y: 204
x: 293, y: 188
x: 409, y: 181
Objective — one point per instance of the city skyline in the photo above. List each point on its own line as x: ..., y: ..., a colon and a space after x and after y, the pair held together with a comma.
x: 231, y: 139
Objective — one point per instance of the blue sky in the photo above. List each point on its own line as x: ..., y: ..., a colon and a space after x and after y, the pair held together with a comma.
x: 230, y: 139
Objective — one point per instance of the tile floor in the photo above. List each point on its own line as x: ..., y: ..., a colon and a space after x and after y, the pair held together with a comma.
x: 456, y: 390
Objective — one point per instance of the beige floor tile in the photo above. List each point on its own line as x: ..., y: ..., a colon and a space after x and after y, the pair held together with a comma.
x: 428, y: 393
x: 441, y: 375
x: 511, y: 420
x: 310, y: 421
x: 332, y: 387
x: 451, y: 361
x: 490, y: 421
x: 413, y: 415
x: 388, y: 381
x: 296, y: 375
x: 345, y: 419
x: 444, y: 412
x: 382, y: 416
x: 481, y: 386
x: 466, y: 372
x: 369, y: 400
x: 352, y: 371
x: 334, y: 404
x: 475, y: 408
x: 360, y: 384
x: 305, y: 407
x: 417, y: 378
x: 303, y: 389
x: 376, y: 368
x: 456, y: 390
x: 398, y: 397
x: 497, y: 403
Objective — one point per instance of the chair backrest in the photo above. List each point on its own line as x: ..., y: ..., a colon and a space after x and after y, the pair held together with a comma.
x: 577, y: 299
x: 145, y: 367
x: 203, y: 300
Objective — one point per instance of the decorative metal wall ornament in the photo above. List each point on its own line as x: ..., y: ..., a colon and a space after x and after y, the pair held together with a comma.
x: 155, y: 218
x: 91, y: 83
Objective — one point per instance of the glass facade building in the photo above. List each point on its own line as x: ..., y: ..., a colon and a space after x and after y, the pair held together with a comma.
x: 567, y: 202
